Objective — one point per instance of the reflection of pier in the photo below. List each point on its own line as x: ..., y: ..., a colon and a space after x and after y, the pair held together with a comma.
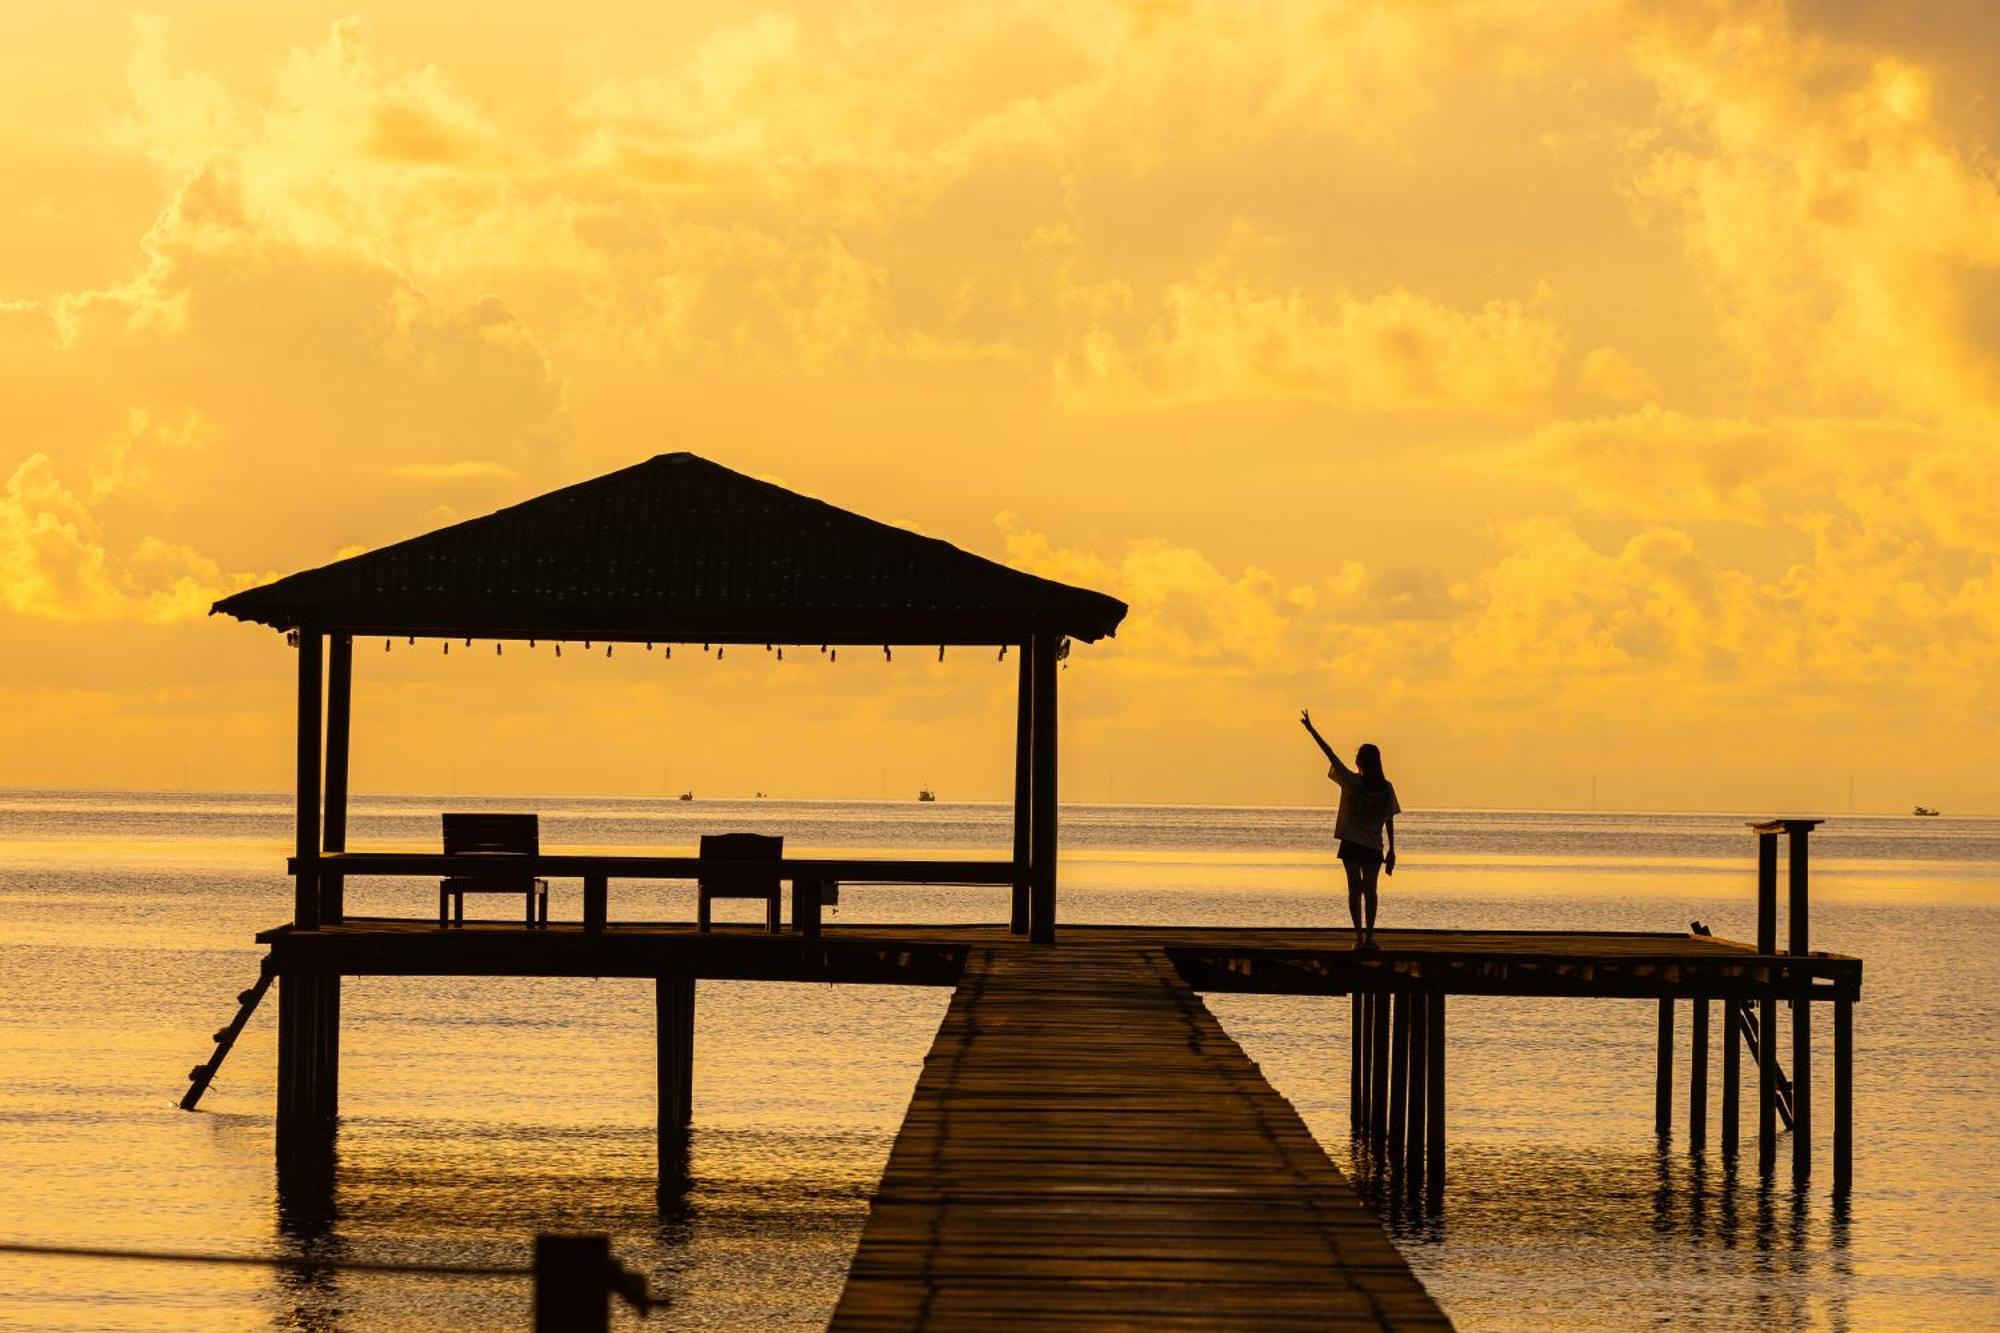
x: 1085, y: 1144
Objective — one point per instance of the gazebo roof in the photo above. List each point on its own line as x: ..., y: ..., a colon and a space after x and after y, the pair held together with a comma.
x: 677, y: 548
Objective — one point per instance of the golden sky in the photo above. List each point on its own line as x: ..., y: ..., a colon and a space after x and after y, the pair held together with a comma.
x: 1542, y: 390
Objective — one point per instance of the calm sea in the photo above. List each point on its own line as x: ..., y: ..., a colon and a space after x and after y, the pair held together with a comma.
x: 478, y: 1112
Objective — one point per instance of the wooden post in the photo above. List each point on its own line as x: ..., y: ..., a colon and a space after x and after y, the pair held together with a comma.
x: 339, y: 711
x: 596, y: 902
x: 1378, y: 1078
x: 1732, y: 1075
x: 1767, y: 1084
x: 1663, y: 1074
x: 1413, y: 1136
x: 1698, y: 1075
x: 1364, y: 1048
x: 1843, y: 1096
x: 1357, y: 1043
x: 305, y: 892
x: 1399, y: 1075
x: 1042, y: 829
x: 1796, y: 921
x: 1767, y: 893
x: 572, y: 1284
x: 673, y: 1001
x: 1434, y: 1088
x: 1024, y: 788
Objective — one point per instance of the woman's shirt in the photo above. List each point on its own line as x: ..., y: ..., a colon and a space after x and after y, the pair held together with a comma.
x: 1363, y: 809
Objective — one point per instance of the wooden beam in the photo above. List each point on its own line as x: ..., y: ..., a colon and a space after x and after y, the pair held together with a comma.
x: 333, y: 829
x: 1434, y: 1103
x: 305, y: 895
x: 1399, y: 1075
x: 1413, y: 1136
x: 1357, y: 1043
x: 1767, y: 893
x: 1663, y: 1074
x: 1843, y: 1096
x: 673, y: 1003
x: 1732, y: 1076
x: 1767, y: 1085
x: 1698, y: 1075
x: 1024, y: 788
x: 1378, y: 1078
x: 1042, y: 903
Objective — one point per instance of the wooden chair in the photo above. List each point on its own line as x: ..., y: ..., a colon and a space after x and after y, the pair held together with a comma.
x: 740, y: 847
x: 492, y: 835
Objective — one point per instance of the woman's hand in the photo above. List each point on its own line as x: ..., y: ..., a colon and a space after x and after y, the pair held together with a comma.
x: 1389, y: 862
x: 1306, y: 721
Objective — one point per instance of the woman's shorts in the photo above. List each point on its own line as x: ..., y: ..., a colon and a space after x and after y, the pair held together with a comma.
x: 1358, y: 854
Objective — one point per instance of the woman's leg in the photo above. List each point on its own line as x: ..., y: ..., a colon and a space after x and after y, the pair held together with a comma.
x: 1370, y: 875
x: 1354, y: 892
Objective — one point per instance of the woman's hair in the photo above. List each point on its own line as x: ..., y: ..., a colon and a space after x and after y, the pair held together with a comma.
x: 1368, y: 759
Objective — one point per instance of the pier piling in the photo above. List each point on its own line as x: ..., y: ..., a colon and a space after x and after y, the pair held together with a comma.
x: 1399, y: 1075
x: 1434, y: 1103
x: 1698, y: 1075
x: 1796, y: 921
x: 1732, y: 1076
x: 1663, y: 1074
x: 1843, y: 1096
x: 1378, y: 1077
x: 674, y: 1034
x: 1413, y: 1135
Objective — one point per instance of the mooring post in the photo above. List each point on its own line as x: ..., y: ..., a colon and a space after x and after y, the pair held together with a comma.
x: 673, y: 999
x: 1663, y: 1073
x: 1434, y: 1098
x: 1698, y: 1075
x: 1024, y: 788
x: 1378, y: 1087
x: 1399, y: 1075
x: 1843, y: 1096
x: 572, y: 1284
x: 1420, y: 1056
x: 1796, y: 920
x: 1732, y: 1074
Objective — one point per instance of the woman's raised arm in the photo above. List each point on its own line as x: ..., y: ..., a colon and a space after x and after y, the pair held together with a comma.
x: 1306, y: 721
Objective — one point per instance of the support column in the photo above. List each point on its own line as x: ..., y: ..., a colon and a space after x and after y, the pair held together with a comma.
x: 1843, y: 1096
x: 333, y: 838
x: 1024, y: 788
x: 1698, y: 1075
x: 1767, y: 893
x: 1042, y: 830
x: 1399, y: 1075
x: 1413, y: 1136
x: 1796, y: 920
x: 1434, y: 1103
x: 673, y: 1001
x: 1378, y: 1078
x: 305, y: 894
x: 1356, y: 1042
x: 1767, y: 1084
x: 1732, y: 1076
x: 1663, y: 1074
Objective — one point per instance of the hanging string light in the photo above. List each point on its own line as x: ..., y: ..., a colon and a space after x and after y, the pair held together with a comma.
x: 468, y: 643
x: 413, y: 641
x: 558, y: 650
x: 496, y: 648
x: 607, y: 650
x: 385, y: 645
x: 447, y: 647
x: 940, y: 652
x: 670, y: 654
x: 718, y: 652
x: 781, y: 654
x: 1003, y: 652
x: 887, y: 656
x: 834, y: 656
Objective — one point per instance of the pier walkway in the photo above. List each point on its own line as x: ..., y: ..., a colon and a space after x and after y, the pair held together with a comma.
x: 1087, y: 1147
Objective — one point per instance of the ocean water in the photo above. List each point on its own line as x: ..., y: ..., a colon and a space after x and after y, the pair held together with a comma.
x: 477, y: 1112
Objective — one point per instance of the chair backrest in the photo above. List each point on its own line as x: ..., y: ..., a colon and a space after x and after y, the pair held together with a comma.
x: 516, y: 835
x: 741, y: 847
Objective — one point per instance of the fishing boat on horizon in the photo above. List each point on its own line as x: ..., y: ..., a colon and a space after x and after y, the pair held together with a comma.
x: 926, y: 794
x: 1923, y: 810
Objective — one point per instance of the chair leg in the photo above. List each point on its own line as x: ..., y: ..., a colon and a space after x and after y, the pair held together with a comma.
x: 458, y: 908
x: 528, y: 901
x: 444, y: 906
x: 701, y: 912
x: 545, y: 907
x: 773, y: 918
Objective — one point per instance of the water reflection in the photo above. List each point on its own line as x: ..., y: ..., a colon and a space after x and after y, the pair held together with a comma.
x: 1697, y: 1242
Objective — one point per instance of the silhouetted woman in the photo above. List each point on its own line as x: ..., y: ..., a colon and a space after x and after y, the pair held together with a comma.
x: 1365, y: 825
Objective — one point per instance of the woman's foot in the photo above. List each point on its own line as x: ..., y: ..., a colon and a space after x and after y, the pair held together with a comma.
x: 1367, y: 944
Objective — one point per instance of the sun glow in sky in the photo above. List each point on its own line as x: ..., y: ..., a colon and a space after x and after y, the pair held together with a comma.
x: 1544, y: 391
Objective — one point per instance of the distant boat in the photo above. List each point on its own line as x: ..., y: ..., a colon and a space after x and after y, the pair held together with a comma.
x: 687, y: 796
x: 927, y: 795
x: 1923, y: 810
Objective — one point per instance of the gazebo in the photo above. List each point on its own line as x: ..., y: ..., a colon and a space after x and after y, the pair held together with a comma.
x: 676, y: 549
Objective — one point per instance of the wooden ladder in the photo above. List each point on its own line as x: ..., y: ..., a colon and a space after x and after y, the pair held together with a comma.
x: 1746, y: 1017
x: 225, y: 1037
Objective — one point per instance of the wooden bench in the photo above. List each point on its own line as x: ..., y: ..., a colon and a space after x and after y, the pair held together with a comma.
x: 740, y: 847
x: 497, y: 836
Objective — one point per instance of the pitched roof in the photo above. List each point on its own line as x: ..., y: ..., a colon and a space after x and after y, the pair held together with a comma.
x: 678, y: 549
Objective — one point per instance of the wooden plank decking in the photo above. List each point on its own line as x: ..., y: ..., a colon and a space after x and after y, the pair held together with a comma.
x: 1087, y: 1147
